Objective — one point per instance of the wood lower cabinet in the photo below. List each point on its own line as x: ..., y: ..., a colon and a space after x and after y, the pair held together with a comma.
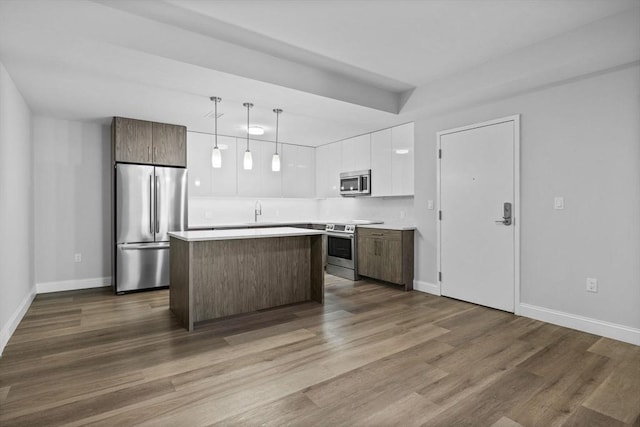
x: 386, y: 255
x: 140, y: 141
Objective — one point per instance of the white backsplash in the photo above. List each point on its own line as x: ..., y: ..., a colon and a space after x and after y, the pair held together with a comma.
x: 215, y: 210
x: 388, y: 209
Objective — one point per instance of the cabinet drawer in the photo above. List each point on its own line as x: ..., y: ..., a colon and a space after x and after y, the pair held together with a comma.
x: 380, y: 233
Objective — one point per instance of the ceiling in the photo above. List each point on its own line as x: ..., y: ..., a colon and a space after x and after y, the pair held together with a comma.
x: 337, y: 69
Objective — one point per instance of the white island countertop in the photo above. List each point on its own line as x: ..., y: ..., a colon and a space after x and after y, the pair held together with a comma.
x: 243, y: 233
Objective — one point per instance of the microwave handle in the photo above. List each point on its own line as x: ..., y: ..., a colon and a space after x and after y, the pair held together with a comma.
x: 364, y: 183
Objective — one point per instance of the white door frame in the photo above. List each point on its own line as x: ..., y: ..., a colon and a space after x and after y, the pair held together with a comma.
x: 516, y: 202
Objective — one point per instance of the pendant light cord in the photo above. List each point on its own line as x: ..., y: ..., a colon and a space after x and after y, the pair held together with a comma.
x: 277, y: 123
x: 216, y: 121
x: 249, y: 105
x: 277, y: 111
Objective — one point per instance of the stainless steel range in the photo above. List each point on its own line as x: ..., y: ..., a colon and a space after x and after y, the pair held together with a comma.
x: 341, y: 250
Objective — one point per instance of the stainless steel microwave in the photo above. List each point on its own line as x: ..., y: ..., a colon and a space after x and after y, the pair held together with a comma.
x: 356, y: 183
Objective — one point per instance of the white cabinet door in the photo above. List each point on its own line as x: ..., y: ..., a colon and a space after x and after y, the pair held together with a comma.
x: 199, y: 147
x: 271, y: 181
x: 204, y: 180
x: 224, y: 179
x: 249, y: 180
x: 356, y: 153
x: 328, y: 167
x: 322, y: 171
x: 298, y: 171
x: 260, y: 181
x: 381, y: 163
x: 402, y: 159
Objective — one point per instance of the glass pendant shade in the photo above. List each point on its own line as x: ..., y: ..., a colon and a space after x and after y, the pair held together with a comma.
x: 275, y: 162
x: 216, y: 158
x: 248, y: 160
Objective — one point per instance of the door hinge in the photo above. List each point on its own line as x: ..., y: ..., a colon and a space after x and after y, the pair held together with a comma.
x: 439, y: 276
x: 440, y: 215
x: 440, y: 153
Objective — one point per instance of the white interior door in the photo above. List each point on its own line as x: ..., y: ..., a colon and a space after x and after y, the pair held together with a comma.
x: 477, y: 249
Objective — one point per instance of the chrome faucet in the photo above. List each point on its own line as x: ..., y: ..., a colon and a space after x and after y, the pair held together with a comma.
x: 257, y: 210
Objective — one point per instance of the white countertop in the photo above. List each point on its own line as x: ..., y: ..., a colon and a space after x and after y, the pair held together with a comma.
x: 391, y: 226
x: 243, y: 233
x: 250, y: 224
x: 209, y: 226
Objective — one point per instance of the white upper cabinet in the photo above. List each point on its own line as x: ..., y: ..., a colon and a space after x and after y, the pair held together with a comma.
x: 260, y: 180
x: 392, y: 157
x: 204, y: 180
x: 298, y: 171
x: 402, y: 159
x: 271, y: 181
x: 381, y: 163
x: 356, y: 153
x: 328, y: 168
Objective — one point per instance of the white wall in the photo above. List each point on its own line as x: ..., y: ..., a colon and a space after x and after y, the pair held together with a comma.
x: 16, y: 208
x: 72, y: 203
x: 580, y: 140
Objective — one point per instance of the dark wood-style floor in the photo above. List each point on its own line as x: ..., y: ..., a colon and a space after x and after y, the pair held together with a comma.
x: 373, y: 355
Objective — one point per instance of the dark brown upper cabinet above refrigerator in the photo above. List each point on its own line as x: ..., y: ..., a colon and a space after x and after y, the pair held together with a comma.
x: 139, y: 141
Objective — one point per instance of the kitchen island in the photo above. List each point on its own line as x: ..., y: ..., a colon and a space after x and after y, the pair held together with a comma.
x: 218, y: 273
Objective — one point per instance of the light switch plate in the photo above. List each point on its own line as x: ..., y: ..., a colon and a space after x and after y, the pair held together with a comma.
x: 558, y: 203
x: 430, y: 204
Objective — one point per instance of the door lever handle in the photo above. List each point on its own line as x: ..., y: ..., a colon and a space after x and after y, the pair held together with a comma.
x: 506, y: 216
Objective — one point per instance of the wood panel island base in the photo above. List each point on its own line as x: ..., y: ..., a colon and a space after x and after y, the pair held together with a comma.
x: 219, y: 273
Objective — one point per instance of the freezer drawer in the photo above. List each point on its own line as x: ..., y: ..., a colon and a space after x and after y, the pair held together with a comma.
x: 142, y: 266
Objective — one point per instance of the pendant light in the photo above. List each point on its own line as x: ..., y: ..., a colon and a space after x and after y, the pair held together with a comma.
x: 275, y: 160
x: 216, y: 155
x: 248, y: 160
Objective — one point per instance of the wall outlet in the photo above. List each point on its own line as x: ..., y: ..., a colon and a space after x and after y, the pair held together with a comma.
x: 592, y: 284
x: 558, y: 203
x: 402, y: 214
x: 430, y: 205
x: 77, y: 258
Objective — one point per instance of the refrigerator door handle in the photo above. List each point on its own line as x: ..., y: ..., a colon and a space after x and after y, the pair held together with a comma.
x: 150, y: 209
x: 156, y: 205
x: 142, y: 246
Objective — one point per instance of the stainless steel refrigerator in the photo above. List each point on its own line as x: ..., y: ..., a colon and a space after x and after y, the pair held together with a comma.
x: 150, y: 201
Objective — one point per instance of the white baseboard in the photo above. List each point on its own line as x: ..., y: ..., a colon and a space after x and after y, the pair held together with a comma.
x: 72, y: 285
x: 430, y: 288
x: 14, y: 320
x: 581, y: 323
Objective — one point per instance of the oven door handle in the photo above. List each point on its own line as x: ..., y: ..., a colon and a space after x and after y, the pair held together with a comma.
x: 341, y: 235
